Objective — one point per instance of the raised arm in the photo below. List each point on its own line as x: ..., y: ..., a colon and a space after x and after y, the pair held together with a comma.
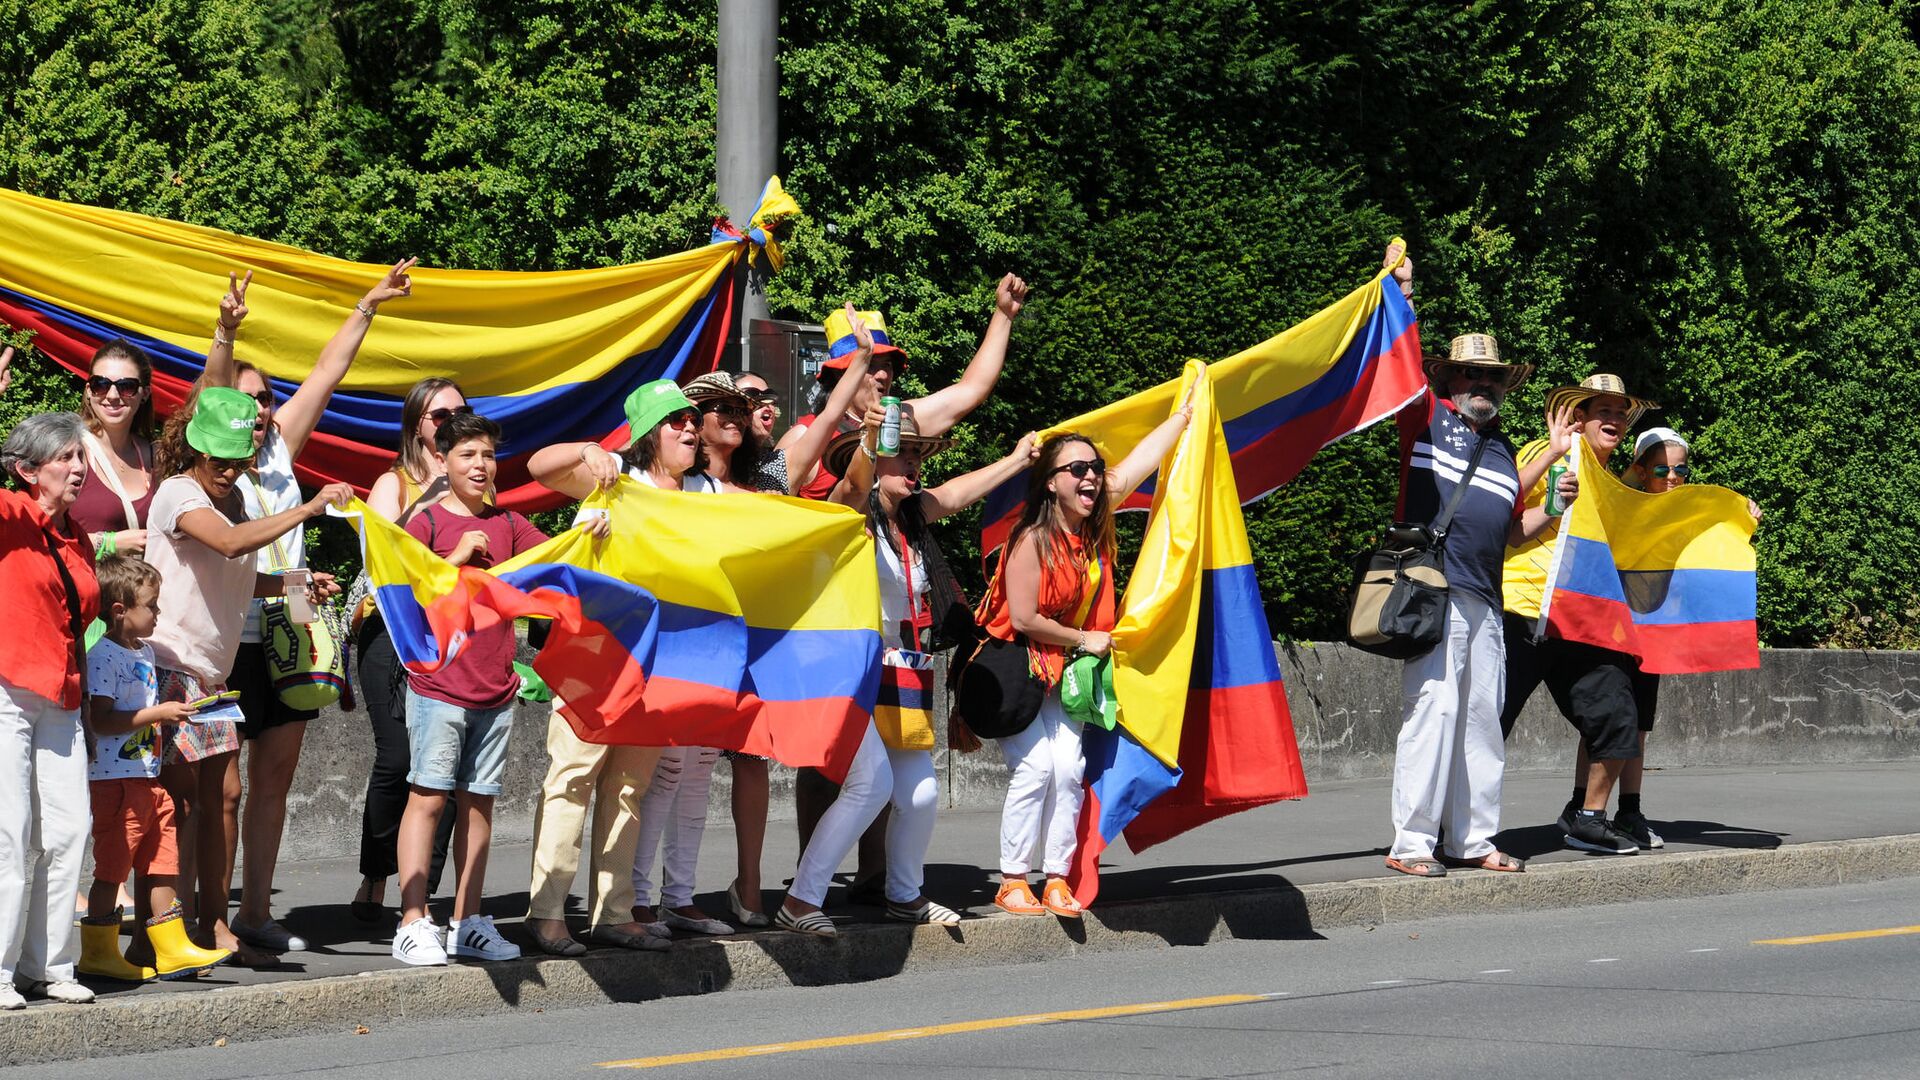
x: 939, y: 411
x: 6, y: 369
x: 1134, y: 469
x: 233, y: 309
x: 804, y: 452
x: 301, y: 414
x: 232, y: 541
x: 963, y: 491
x: 858, y: 479
x: 574, y: 469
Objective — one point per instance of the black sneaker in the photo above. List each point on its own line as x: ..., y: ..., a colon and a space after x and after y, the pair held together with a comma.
x: 1635, y: 824
x: 1592, y: 832
x: 1566, y: 816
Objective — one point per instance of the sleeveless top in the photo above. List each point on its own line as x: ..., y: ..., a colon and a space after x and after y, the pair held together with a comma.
x: 99, y: 508
x: 1076, y: 591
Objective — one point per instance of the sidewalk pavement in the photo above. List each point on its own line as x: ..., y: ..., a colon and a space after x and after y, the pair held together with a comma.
x: 1337, y: 834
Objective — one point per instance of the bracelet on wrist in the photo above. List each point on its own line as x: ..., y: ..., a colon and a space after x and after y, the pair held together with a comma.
x: 219, y: 339
x: 362, y: 308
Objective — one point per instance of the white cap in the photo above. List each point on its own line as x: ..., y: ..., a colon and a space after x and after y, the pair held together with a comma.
x: 1656, y: 435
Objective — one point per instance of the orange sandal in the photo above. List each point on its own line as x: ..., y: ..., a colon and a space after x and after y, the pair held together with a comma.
x: 1059, y: 899
x: 1016, y: 898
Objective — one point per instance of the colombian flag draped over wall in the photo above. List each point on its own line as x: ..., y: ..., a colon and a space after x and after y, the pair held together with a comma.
x: 1668, y: 578
x: 1204, y: 729
x: 747, y: 622
x: 1346, y: 367
x: 548, y: 355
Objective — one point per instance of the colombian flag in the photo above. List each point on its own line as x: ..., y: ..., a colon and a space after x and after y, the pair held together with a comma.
x: 1667, y: 578
x: 1203, y: 729
x: 1345, y: 368
x: 548, y: 355
x: 745, y: 622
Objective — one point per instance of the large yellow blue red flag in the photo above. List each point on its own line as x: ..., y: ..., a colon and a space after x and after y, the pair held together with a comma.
x: 1346, y: 367
x: 548, y: 355
x: 1669, y: 578
x: 1203, y: 728
x: 746, y: 622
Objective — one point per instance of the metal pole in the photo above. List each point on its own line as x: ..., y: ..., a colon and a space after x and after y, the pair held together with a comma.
x: 747, y: 135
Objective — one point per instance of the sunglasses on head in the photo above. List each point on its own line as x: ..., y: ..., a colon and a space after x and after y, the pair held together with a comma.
x: 762, y: 397
x: 1081, y: 469
x: 100, y: 384
x: 1661, y: 472
x: 441, y: 416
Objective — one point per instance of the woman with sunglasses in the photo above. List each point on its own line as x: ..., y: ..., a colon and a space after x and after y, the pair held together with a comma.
x: 118, y: 411
x: 665, y: 453
x: 1055, y: 592
x: 766, y: 405
x: 414, y: 480
x: 274, y: 730
x: 922, y: 611
x: 204, y: 543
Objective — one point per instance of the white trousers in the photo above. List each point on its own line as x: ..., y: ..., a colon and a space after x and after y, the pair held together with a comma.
x: 1047, y: 764
x: 868, y: 786
x: 675, y: 806
x: 45, y: 818
x: 916, y: 801
x: 1450, y: 759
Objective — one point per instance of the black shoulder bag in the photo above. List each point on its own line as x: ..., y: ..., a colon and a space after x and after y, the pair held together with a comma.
x: 1400, y: 588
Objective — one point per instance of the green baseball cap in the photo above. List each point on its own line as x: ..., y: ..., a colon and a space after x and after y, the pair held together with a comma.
x: 651, y: 403
x: 1086, y: 691
x: 222, y: 424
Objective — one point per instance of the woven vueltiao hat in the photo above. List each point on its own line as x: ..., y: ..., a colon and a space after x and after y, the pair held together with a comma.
x: 717, y: 386
x: 1594, y: 386
x: 841, y: 345
x: 1477, y: 351
x: 840, y: 451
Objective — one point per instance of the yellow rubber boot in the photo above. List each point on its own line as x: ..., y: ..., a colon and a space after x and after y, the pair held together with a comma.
x: 174, y: 954
x: 100, y: 954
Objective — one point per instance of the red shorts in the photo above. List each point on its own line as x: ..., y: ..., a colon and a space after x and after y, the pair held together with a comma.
x: 132, y: 828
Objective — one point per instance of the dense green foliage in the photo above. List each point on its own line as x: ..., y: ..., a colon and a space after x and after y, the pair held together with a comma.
x: 1714, y: 199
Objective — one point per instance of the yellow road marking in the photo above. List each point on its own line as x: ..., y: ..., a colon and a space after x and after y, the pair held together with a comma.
x: 1851, y: 935
x: 734, y: 1053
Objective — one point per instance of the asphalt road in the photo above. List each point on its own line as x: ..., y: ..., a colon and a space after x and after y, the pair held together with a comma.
x: 1670, y: 988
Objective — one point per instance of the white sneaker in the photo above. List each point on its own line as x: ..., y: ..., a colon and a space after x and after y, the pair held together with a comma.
x: 10, y: 999
x: 418, y: 943
x: 67, y: 990
x: 476, y: 938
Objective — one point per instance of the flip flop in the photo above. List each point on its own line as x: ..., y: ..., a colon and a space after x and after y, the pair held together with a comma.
x: 1498, y: 861
x: 1426, y: 868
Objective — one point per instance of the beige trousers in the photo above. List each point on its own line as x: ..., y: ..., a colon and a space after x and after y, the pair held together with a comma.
x: 614, y: 777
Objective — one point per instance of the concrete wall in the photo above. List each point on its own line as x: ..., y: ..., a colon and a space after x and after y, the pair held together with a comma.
x: 1801, y: 706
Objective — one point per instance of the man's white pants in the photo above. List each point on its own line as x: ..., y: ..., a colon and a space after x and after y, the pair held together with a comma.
x: 1048, y: 764
x: 868, y: 786
x: 1448, y: 765
x: 675, y: 805
x: 46, y: 815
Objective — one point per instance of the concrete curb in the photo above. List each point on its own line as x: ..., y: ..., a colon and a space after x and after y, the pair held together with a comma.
x: 774, y: 959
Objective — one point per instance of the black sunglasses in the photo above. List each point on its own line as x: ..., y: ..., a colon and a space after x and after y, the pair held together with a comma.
x: 1080, y: 469
x: 264, y: 397
x: 221, y: 464
x: 100, y: 384
x: 1661, y: 472
x: 724, y: 408
x: 441, y: 416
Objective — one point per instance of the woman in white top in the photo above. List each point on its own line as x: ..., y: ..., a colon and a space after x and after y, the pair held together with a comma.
x: 274, y: 730
x: 665, y: 452
x: 921, y: 612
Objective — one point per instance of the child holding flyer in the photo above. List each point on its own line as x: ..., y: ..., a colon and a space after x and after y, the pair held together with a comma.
x: 133, y: 821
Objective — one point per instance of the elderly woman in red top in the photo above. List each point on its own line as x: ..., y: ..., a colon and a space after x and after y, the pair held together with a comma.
x: 46, y: 573
x: 1056, y: 594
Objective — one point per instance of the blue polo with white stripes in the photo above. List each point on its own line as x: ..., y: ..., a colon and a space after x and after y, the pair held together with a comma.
x: 1435, y: 447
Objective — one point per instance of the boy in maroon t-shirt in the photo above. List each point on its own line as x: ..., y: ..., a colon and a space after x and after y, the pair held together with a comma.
x: 459, y: 717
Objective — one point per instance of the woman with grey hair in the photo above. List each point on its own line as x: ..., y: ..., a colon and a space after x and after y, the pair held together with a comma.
x: 46, y: 572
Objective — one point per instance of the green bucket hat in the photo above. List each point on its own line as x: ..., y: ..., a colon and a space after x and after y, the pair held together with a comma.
x: 1086, y: 691
x: 651, y: 403
x: 222, y: 424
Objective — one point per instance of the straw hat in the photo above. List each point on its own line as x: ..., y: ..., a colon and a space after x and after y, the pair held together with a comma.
x: 1477, y: 351
x: 1594, y: 386
x: 717, y: 385
x: 840, y: 450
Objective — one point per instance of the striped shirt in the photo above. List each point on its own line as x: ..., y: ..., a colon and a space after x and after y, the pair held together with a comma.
x: 1435, y: 449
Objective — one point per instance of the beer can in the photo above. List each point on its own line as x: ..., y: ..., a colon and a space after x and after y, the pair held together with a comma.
x: 889, y: 429
x: 1554, y: 506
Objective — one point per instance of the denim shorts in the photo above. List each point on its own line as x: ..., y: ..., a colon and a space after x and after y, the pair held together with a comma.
x: 454, y: 747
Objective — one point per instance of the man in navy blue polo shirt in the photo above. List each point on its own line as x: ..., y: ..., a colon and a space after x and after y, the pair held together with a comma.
x: 1451, y: 757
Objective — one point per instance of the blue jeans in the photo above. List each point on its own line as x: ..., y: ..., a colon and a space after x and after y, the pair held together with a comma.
x: 457, y: 747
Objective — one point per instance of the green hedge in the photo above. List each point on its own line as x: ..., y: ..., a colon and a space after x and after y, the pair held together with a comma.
x: 1715, y: 200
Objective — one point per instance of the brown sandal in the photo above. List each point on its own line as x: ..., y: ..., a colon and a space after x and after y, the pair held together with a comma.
x: 1428, y: 868
x: 1498, y: 861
